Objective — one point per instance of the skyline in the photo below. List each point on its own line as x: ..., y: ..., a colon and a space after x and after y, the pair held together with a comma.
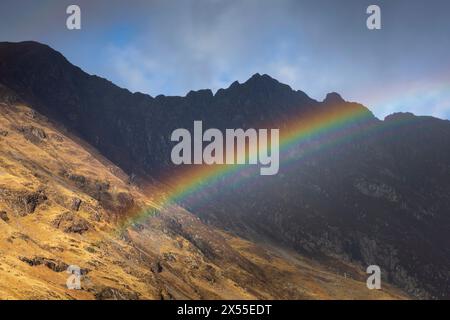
x: 170, y: 48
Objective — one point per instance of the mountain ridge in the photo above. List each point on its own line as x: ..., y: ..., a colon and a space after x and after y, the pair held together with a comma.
x: 379, y: 197
x: 61, y: 205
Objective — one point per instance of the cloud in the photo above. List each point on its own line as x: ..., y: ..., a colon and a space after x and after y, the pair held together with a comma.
x: 170, y: 47
x: 421, y: 97
x: 134, y: 69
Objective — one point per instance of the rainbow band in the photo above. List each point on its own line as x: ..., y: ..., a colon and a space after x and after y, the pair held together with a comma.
x: 329, y: 125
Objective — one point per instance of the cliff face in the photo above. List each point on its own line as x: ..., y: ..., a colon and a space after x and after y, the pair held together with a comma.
x: 381, y: 197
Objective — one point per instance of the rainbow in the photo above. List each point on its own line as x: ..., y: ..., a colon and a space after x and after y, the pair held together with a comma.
x: 327, y: 126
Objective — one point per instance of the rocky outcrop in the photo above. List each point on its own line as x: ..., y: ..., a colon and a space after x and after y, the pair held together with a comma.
x: 75, y: 204
x: 156, y: 267
x: 54, y: 265
x: 4, y: 216
x: 23, y: 202
x: 108, y: 293
x: 70, y: 222
x: 113, y: 202
x: 33, y: 134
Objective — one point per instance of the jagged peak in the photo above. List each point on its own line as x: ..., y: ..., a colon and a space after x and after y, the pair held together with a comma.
x: 256, y: 82
x: 202, y: 93
x: 333, y: 97
x: 262, y: 79
x: 235, y: 84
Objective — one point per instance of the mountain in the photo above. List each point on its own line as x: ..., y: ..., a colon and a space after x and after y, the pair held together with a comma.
x: 371, y: 192
x: 61, y: 203
x: 136, y: 122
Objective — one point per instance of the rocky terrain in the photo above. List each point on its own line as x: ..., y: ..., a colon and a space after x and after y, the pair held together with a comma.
x: 61, y: 204
x: 382, y: 197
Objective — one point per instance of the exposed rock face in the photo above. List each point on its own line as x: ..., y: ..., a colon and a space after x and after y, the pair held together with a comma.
x: 4, y: 216
x: 115, y: 294
x: 23, y: 202
x: 33, y: 134
x: 156, y: 267
x: 71, y: 223
x: 55, y: 265
x: 31, y: 200
x: 76, y: 203
x: 380, y: 198
x: 119, y: 203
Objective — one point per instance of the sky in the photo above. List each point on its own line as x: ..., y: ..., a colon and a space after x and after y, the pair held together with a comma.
x: 317, y: 46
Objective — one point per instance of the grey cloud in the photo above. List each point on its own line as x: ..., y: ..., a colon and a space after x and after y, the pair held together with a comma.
x: 171, y: 47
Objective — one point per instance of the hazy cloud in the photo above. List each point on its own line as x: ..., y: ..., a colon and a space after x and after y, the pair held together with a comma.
x: 170, y: 47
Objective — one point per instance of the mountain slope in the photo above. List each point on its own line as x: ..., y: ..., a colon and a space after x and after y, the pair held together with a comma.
x: 378, y: 196
x: 61, y: 203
